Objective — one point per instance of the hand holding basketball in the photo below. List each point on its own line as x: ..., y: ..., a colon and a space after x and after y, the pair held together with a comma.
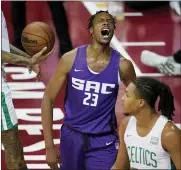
x: 37, y: 57
x: 40, y: 56
x: 37, y: 35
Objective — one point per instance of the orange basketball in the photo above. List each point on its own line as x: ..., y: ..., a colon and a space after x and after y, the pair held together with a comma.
x: 37, y: 35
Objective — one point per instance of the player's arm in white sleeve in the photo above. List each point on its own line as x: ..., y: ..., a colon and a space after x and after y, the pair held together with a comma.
x: 171, y: 142
x: 122, y: 160
x: 127, y: 72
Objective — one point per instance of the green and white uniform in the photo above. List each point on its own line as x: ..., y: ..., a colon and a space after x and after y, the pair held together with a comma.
x: 147, y: 152
x: 8, y: 115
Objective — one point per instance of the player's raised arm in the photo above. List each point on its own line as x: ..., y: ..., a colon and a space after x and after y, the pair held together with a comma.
x: 52, y: 90
x: 127, y: 72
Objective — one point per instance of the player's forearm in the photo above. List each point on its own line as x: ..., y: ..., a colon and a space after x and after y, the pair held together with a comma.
x: 47, y: 121
x: 17, y: 51
x: 10, y: 58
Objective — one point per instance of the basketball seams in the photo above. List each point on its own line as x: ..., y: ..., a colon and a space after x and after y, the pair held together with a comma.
x: 39, y: 45
x: 36, y: 36
x: 30, y: 51
x: 44, y: 31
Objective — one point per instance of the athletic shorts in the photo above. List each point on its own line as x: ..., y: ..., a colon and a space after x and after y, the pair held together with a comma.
x: 87, y: 152
x: 8, y: 114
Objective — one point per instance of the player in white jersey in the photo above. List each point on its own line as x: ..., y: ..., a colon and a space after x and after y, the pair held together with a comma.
x: 148, y: 140
x: 9, y: 124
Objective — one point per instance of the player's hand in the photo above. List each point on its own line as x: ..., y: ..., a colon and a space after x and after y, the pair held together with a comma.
x: 37, y: 58
x: 44, y: 57
x: 36, y: 69
x: 52, y: 158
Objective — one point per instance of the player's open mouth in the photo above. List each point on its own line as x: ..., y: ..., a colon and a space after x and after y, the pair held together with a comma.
x: 105, y: 32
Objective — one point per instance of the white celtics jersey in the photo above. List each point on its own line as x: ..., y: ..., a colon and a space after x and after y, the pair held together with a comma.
x: 147, y: 152
x: 5, y: 41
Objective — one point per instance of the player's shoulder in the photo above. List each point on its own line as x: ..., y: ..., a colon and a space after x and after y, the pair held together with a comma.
x: 126, y: 66
x: 70, y: 54
x: 67, y: 60
x: 124, y: 61
x: 170, y: 129
x: 170, y: 133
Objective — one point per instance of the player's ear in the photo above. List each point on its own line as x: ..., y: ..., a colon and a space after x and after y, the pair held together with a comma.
x: 142, y: 102
x: 91, y: 31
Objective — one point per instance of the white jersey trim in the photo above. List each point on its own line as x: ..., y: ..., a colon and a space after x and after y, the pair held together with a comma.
x: 93, y: 72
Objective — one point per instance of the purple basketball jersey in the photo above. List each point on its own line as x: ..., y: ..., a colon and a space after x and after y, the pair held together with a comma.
x: 91, y: 98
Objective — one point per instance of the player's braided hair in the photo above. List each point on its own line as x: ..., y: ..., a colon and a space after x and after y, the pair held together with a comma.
x: 91, y: 19
x: 149, y: 89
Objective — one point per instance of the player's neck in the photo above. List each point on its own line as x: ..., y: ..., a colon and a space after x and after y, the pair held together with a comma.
x: 101, y: 49
x: 145, y: 117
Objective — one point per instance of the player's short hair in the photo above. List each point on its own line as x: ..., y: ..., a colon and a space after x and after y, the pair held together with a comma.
x: 91, y: 19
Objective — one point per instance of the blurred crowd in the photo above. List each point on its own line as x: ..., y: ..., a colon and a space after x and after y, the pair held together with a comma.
x: 168, y: 65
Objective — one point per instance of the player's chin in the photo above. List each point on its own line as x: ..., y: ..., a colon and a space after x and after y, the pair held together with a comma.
x: 105, y: 41
x: 125, y: 112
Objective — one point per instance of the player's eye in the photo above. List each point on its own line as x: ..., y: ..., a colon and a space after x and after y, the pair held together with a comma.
x: 101, y: 20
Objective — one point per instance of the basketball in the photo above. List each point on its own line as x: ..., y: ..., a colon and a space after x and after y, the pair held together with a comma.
x: 37, y: 35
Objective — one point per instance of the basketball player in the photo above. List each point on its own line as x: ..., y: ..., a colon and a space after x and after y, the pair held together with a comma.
x: 9, y: 125
x: 148, y: 140
x: 93, y: 73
